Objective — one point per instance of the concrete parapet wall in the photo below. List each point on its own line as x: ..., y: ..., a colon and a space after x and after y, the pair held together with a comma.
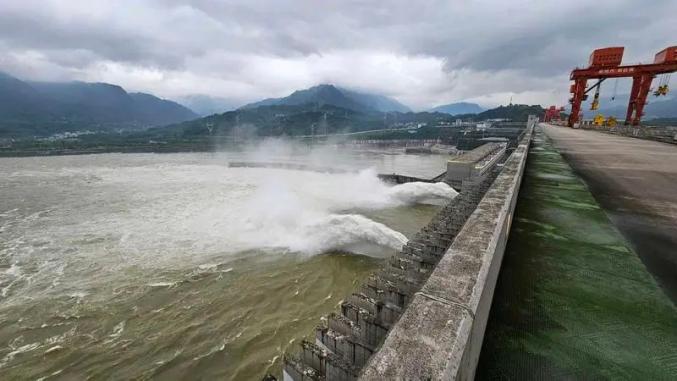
x: 665, y: 134
x: 401, y: 179
x: 439, y: 335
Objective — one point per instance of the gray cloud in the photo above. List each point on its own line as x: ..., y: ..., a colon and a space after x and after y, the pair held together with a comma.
x: 424, y: 53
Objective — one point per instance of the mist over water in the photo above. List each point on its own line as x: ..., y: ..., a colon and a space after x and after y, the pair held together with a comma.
x: 311, y: 213
x: 164, y: 265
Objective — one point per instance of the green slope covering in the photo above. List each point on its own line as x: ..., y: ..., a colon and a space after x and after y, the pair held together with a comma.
x: 573, y: 301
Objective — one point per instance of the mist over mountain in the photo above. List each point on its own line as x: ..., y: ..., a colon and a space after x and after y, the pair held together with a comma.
x: 459, y: 108
x: 205, y: 105
x: 332, y: 95
x: 44, y: 108
x: 18, y: 99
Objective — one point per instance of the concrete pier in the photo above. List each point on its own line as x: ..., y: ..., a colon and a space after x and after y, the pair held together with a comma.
x: 473, y: 164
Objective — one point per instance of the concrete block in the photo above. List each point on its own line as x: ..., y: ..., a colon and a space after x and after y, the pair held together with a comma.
x: 426, y: 355
x: 313, y: 356
x: 295, y: 370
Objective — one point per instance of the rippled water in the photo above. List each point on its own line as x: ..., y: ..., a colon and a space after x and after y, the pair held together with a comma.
x: 178, y: 267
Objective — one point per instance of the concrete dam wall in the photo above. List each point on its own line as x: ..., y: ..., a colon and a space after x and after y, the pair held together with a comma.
x: 423, y: 315
x: 439, y: 336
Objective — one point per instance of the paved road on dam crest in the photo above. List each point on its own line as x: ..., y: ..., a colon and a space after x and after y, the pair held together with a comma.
x: 635, y: 181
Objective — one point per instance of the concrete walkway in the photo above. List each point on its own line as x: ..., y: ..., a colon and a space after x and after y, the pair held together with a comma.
x: 635, y: 182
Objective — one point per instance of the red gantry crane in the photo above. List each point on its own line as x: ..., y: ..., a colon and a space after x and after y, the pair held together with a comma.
x: 606, y: 63
x: 552, y: 113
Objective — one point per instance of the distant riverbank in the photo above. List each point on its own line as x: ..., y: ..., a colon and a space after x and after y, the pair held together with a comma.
x: 106, y: 149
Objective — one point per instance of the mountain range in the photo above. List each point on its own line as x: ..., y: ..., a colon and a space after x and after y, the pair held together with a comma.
x: 327, y: 94
x: 322, y: 109
x: 315, y: 119
x: 205, y: 105
x: 662, y: 107
x: 458, y: 108
x: 30, y: 108
x: 293, y: 120
x: 44, y: 108
x: 514, y: 112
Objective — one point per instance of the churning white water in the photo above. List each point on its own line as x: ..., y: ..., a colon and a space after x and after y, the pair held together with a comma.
x: 166, y: 210
x: 307, y: 212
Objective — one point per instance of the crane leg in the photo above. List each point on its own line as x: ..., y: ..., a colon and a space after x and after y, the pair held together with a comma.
x: 641, y: 98
x: 576, y: 100
x: 636, y: 83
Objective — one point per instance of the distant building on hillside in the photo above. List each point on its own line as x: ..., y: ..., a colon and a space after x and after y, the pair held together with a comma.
x: 482, y: 126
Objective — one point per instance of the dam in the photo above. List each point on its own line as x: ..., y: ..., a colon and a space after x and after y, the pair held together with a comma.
x: 90, y: 287
x: 575, y: 296
x: 445, y: 275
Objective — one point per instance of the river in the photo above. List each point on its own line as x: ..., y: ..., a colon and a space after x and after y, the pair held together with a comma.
x: 175, y: 266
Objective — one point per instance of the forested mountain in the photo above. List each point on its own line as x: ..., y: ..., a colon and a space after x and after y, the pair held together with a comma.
x: 45, y: 108
x: 18, y: 99
x: 513, y: 112
x: 159, y: 112
x: 331, y: 95
x: 291, y: 120
x: 458, y: 108
x: 309, y: 118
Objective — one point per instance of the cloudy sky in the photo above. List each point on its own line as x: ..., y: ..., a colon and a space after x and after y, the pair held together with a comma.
x: 423, y: 53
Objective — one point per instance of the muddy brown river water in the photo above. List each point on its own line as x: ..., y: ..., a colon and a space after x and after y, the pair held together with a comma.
x: 175, y: 266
